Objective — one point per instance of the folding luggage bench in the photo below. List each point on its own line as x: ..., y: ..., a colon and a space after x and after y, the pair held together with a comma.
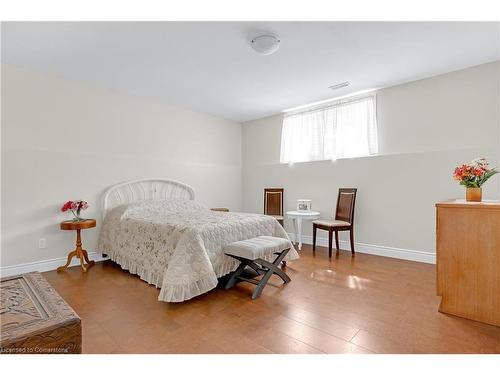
x: 251, y: 253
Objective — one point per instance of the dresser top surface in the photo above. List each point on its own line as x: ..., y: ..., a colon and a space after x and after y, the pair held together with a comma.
x: 462, y: 203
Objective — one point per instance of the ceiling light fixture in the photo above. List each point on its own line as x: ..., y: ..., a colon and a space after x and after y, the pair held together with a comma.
x: 339, y: 85
x: 265, y: 44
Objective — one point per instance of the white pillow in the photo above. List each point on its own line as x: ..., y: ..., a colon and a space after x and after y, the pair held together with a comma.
x: 152, y: 207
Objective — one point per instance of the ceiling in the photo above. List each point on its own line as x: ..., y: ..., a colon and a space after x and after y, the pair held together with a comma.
x: 210, y: 66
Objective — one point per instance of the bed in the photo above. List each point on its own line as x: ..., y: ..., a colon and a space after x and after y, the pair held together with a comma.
x: 154, y: 228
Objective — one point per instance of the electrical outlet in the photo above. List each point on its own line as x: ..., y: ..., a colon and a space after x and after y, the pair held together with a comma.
x: 42, y: 243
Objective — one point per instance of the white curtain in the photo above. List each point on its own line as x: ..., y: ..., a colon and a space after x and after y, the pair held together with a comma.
x: 342, y: 129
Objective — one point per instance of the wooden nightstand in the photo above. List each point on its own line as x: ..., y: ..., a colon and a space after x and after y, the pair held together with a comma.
x: 78, y: 252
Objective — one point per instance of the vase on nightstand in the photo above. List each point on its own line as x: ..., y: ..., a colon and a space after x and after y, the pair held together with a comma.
x: 78, y: 218
x: 473, y: 194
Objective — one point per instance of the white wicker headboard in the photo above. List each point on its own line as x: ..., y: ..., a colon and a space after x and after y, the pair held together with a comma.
x: 146, y: 188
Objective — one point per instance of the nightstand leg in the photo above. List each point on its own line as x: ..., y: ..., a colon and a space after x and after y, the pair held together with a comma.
x: 70, y: 256
x: 90, y: 263
x: 299, y: 230
x: 86, y: 265
x: 85, y: 255
x: 80, y: 253
x: 82, y: 263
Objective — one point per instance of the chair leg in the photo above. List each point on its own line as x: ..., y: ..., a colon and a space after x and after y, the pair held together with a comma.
x: 330, y: 232
x: 314, y: 237
x: 351, y: 236
x: 337, y: 241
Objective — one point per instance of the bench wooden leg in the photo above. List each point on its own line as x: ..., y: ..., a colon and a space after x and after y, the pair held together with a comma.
x: 260, y: 266
x: 262, y: 284
x: 274, y: 266
x: 238, y: 272
x: 255, y: 267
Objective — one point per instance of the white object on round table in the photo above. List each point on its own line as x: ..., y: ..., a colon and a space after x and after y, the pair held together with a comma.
x: 297, y: 217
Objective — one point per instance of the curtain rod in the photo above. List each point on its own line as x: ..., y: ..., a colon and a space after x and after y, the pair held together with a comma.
x: 333, y: 103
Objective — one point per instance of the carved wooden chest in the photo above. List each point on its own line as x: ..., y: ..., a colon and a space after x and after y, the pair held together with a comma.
x: 35, y: 319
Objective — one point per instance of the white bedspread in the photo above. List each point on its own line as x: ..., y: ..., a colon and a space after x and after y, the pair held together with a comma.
x: 177, y: 245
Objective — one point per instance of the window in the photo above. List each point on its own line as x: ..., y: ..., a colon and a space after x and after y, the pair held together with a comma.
x: 341, y: 129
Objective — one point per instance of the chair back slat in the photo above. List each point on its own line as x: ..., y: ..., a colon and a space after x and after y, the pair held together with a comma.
x: 345, y: 205
x: 273, y: 201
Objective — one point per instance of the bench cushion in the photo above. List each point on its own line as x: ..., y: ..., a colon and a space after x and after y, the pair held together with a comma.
x: 258, y: 247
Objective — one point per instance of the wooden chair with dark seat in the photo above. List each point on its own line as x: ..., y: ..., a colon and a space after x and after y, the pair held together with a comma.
x: 273, y: 203
x: 344, y: 220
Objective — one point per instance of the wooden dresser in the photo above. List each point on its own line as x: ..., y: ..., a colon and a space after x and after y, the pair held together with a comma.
x: 468, y: 259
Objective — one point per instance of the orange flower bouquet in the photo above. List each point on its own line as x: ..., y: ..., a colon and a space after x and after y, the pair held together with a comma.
x: 473, y: 175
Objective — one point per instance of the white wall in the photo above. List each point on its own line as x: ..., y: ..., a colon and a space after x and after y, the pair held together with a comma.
x: 426, y: 128
x: 497, y: 179
x: 65, y: 140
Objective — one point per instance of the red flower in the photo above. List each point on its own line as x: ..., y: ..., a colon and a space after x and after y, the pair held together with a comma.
x: 474, y: 174
x: 66, y: 206
x: 478, y: 171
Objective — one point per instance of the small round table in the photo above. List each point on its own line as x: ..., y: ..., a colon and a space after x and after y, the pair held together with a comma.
x: 297, y: 217
x: 79, y: 252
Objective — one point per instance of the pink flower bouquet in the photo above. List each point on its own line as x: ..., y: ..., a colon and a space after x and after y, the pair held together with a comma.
x: 75, y: 207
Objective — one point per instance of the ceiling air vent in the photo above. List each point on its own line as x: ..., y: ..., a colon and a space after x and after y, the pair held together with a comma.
x: 338, y: 85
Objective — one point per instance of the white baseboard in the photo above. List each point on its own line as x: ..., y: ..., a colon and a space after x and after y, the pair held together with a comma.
x: 44, y: 265
x: 391, y: 252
